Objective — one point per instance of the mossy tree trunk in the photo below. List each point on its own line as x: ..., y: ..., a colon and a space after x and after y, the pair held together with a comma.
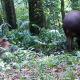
x: 36, y: 16
x: 9, y: 13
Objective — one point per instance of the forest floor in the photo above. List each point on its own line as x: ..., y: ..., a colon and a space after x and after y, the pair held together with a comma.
x: 65, y: 70
x: 55, y: 71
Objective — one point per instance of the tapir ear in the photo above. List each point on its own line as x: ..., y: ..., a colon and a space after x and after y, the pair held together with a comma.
x: 4, y: 39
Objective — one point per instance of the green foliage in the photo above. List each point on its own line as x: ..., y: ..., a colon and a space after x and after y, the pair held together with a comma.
x: 52, y: 11
x: 48, y: 40
x: 21, y: 10
x: 4, y: 29
x: 22, y: 13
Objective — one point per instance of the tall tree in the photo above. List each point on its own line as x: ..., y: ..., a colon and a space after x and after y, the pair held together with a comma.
x: 1, y: 21
x: 36, y: 16
x: 9, y: 13
x: 74, y: 4
x: 62, y: 9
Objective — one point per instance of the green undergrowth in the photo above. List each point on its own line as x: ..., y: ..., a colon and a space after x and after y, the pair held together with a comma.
x: 39, y: 57
x: 43, y: 67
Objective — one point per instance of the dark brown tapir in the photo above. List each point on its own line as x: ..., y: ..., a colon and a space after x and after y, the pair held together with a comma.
x: 71, y: 27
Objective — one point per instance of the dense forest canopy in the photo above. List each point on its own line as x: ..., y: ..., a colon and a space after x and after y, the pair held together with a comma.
x: 33, y: 40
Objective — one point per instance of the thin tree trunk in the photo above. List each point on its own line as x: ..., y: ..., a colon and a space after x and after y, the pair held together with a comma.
x: 62, y: 9
x: 1, y: 21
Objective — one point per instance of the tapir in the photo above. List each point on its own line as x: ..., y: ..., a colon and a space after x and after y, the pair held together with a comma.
x: 5, y: 45
x: 71, y: 27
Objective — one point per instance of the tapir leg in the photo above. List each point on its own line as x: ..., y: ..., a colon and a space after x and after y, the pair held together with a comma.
x: 69, y: 42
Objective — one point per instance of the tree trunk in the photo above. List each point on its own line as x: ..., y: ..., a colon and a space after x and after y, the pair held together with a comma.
x: 1, y: 21
x: 9, y: 13
x: 36, y: 16
x: 62, y: 10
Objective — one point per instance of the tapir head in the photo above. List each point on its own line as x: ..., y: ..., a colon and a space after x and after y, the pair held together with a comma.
x: 6, y: 45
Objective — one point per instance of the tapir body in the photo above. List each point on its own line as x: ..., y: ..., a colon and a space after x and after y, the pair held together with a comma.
x: 71, y: 27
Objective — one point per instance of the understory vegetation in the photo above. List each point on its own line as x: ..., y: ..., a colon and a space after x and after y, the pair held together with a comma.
x: 39, y: 57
